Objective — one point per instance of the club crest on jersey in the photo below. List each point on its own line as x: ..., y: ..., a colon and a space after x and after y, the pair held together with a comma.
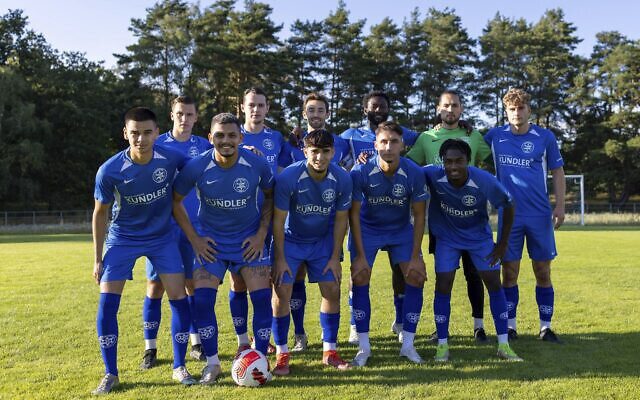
x: 193, y: 152
x: 241, y: 185
x: 527, y: 147
x: 268, y: 144
x: 159, y: 175
x: 329, y: 195
x: 469, y: 200
x: 398, y: 190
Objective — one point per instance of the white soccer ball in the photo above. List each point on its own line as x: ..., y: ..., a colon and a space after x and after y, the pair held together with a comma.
x: 250, y: 368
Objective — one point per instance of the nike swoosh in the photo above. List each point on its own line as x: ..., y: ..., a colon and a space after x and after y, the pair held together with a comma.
x: 502, y: 140
x: 439, y: 192
x: 213, y: 181
x: 128, y: 180
x: 372, y: 185
x: 303, y: 190
x: 434, y: 140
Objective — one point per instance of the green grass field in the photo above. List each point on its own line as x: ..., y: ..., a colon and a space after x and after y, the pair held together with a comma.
x: 48, y: 345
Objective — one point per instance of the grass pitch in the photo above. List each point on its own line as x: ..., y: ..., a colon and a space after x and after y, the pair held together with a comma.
x: 48, y: 345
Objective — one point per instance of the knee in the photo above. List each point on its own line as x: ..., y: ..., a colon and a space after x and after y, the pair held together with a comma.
x: 509, y: 275
x: 155, y: 290
x: 361, y: 278
x: 331, y: 292
x: 416, y: 281
x: 443, y: 284
x: 237, y: 284
x: 188, y: 285
x: 542, y: 272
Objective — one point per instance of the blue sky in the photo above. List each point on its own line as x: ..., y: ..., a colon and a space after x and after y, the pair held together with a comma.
x: 100, y: 28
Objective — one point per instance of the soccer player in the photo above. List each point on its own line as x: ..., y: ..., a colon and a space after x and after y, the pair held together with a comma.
x: 361, y: 143
x: 138, y: 182
x: 269, y: 142
x: 386, y: 191
x: 233, y: 225
x: 523, y: 154
x: 459, y: 221
x: 315, y: 111
x: 309, y: 223
x: 425, y: 151
x: 184, y: 115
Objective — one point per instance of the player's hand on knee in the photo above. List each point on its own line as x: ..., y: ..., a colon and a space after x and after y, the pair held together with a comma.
x: 496, y: 256
x: 97, y: 271
x: 204, y: 249
x: 335, y: 267
x: 360, y: 269
x: 416, y: 271
x: 280, y: 268
x: 253, y: 248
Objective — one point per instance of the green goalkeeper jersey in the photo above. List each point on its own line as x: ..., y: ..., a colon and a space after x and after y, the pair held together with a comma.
x: 425, y: 150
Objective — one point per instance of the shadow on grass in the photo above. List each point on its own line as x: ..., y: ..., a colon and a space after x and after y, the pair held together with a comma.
x: 30, y: 238
x: 581, y: 356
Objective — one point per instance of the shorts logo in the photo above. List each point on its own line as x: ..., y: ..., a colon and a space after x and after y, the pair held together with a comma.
x: 238, y: 321
x: 295, y: 304
x: 182, y: 337
x: 268, y: 144
x: 193, y: 152
x: 413, y: 317
x: 440, y: 319
x: 527, y: 147
x: 146, y: 325
x: 469, y: 200
x: 107, y: 341
x: 264, y: 333
x: 159, y: 175
x: 504, y: 315
x: 241, y: 185
x: 511, y: 306
x: 329, y: 195
x: 359, y: 315
x: 207, y: 332
x: 548, y: 310
x: 398, y: 190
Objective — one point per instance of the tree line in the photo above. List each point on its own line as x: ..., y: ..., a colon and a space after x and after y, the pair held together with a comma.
x: 61, y: 114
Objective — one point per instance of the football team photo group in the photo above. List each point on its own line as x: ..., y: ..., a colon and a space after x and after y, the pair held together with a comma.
x: 267, y: 212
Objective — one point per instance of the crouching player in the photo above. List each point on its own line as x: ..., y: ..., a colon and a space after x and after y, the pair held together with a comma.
x: 138, y: 182
x: 232, y: 231
x: 386, y: 190
x: 310, y: 220
x: 459, y: 221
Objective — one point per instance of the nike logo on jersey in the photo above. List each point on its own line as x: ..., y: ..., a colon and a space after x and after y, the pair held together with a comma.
x: 128, y: 180
x: 303, y: 190
x: 502, y: 140
x: 213, y: 181
x: 434, y: 140
x: 439, y: 192
x: 372, y: 185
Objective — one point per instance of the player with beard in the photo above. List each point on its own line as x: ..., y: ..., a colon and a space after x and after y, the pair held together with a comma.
x: 426, y: 152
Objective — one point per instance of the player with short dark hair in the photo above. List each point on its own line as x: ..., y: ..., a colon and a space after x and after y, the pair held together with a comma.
x: 523, y: 154
x: 386, y: 191
x: 137, y: 181
x: 459, y: 221
x: 310, y: 220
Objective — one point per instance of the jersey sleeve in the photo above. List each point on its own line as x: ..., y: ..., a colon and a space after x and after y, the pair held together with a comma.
x: 283, y: 191
x: 488, y: 137
x: 357, y: 183
x: 285, y: 159
x: 554, y: 158
x: 497, y: 194
x: 104, y: 188
x: 416, y: 154
x: 483, y: 151
x: 419, y: 190
x: 409, y: 137
x: 343, y: 201
x: 187, y: 177
x: 266, y: 176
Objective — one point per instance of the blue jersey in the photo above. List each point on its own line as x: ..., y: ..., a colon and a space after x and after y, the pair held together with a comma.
x: 191, y: 148
x: 386, y: 201
x: 270, y: 142
x: 295, y: 153
x: 311, y: 205
x: 459, y: 216
x: 522, y: 164
x: 229, y: 207
x: 141, y: 195
x: 360, y: 140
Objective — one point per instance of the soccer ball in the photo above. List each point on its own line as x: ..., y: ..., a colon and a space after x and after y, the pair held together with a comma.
x: 250, y: 368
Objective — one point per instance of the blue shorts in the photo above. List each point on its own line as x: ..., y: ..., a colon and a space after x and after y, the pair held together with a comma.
x: 186, y: 253
x: 229, y: 258
x: 315, y: 255
x: 119, y: 259
x: 399, y: 244
x: 447, y: 256
x: 538, y: 231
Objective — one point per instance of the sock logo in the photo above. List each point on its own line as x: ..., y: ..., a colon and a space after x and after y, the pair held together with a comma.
x: 504, y: 315
x: 207, y: 332
x: 413, y: 317
x: 182, y: 337
x: 107, y: 341
x: 238, y: 321
x: 295, y: 304
x: 264, y: 333
x: 546, y: 309
x: 440, y: 319
x: 359, y: 315
x: 146, y: 325
x: 511, y: 306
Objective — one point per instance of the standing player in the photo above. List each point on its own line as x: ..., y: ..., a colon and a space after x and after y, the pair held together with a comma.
x: 233, y: 227
x: 269, y: 142
x: 523, y: 154
x: 376, y: 109
x: 315, y: 111
x: 310, y: 220
x: 138, y: 182
x: 184, y: 115
x: 425, y: 151
x: 386, y: 191
x: 459, y: 221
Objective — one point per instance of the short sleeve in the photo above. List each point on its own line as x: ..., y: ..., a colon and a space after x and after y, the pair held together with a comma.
x: 419, y: 190
x: 357, y: 183
x: 483, y: 151
x: 266, y: 176
x: 187, y: 177
x: 554, y: 158
x: 416, y: 153
x: 104, y: 188
x: 497, y: 194
x: 343, y: 202
x: 283, y: 191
